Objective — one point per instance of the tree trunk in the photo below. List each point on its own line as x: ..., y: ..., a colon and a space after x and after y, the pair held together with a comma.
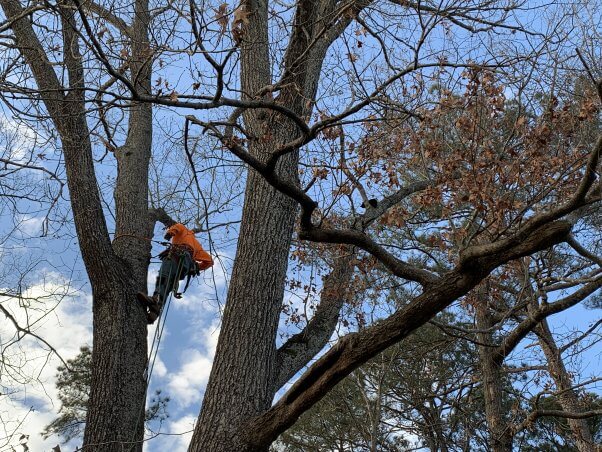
x: 119, y: 352
x: 500, y: 434
x: 241, y: 383
x: 116, y: 406
x: 567, y: 397
x: 243, y: 378
x: 115, y: 413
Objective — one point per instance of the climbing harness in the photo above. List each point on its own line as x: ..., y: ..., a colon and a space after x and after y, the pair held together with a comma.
x: 180, y: 253
x: 174, y: 252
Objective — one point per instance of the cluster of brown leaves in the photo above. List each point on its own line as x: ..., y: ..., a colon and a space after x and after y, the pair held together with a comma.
x: 240, y: 18
x: 496, y: 163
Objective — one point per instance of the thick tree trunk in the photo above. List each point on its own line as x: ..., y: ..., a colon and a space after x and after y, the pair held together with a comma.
x: 567, y: 397
x: 500, y: 433
x: 116, y: 405
x: 241, y: 383
x: 120, y: 347
x: 244, y: 376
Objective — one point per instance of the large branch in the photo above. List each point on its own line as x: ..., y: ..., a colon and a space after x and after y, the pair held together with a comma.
x: 131, y: 185
x: 555, y: 413
x: 527, y: 325
x: 355, y: 349
x: 302, y: 347
x: 577, y: 200
x: 315, y: 28
x: 255, y: 62
x: 311, y: 232
x: 362, y: 240
x: 582, y: 251
x: 298, y: 350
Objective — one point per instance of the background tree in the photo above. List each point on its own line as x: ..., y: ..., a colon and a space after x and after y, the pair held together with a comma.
x: 116, y: 270
x: 73, y: 384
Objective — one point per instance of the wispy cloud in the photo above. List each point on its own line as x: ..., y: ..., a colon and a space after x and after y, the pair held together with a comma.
x: 62, y: 317
x: 186, y: 385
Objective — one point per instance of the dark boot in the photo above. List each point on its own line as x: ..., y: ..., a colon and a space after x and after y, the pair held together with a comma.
x: 151, y: 316
x: 152, y: 303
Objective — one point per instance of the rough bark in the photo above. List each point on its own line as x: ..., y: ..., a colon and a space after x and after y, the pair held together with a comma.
x: 500, y: 433
x: 241, y: 381
x: 119, y: 357
x: 567, y: 397
x: 244, y: 376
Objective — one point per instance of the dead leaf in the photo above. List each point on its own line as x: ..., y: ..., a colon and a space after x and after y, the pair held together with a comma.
x: 221, y: 16
x: 241, y: 19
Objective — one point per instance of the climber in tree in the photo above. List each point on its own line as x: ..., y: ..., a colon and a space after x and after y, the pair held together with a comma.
x: 184, y: 257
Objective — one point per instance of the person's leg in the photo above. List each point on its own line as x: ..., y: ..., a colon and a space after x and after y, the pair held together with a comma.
x: 168, y: 275
x: 186, y: 266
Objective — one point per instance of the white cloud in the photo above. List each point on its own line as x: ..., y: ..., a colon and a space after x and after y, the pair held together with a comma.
x: 62, y: 317
x: 182, y: 427
x: 176, y: 438
x: 159, y: 370
x: 19, y: 419
x: 29, y: 225
x: 186, y: 385
x: 17, y: 137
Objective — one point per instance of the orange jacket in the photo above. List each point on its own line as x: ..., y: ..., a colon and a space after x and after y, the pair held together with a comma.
x: 181, y: 235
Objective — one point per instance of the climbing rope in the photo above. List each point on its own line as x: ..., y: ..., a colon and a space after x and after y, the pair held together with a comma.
x: 154, y: 348
x: 161, y: 325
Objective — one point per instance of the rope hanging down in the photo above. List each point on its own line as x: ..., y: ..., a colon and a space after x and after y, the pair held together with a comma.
x: 161, y: 325
x: 154, y: 348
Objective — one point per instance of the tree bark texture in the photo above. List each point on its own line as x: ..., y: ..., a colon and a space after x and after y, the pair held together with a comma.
x: 567, y: 397
x: 119, y: 353
x: 245, y: 374
x: 241, y: 381
x: 500, y: 432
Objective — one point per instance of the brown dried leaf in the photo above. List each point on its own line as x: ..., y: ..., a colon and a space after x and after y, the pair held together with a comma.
x: 221, y: 16
x: 240, y: 20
